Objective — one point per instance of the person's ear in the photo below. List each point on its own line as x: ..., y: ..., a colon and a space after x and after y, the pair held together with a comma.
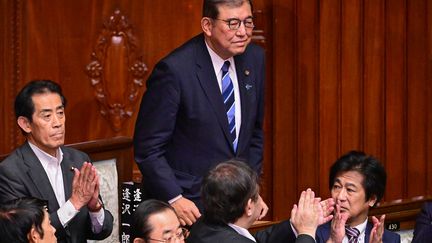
x: 249, y: 208
x: 138, y: 240
x: 206, y: 26
x: 24, y: 124
x: 33, y: 235
x: 372, y: 201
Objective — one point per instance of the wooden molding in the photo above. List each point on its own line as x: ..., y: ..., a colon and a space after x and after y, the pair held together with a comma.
x: 116, y: 70
x: 16, y: 52
x: 258, y: 33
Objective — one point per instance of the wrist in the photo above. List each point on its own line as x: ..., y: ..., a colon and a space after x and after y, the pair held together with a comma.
x: 96, y: 208
x: 76, y: 203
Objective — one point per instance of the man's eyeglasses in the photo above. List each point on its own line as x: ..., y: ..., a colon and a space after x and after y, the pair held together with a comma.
x: 234, y: 23
x: 181, y: 234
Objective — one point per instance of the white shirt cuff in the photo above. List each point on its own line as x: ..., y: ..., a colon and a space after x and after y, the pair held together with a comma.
x: 66, y: 212
x: 294, y: 230
x: 97, y: 219
x: 175, y: 199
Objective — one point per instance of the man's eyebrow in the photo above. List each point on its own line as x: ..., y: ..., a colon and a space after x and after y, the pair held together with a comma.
x: 45, y: 110
x: 170, y: 231
x: 351, y: 184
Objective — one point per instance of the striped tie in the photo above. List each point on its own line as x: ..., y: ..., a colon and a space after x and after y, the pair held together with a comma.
x: 228, y: 98
x: 352, y: 233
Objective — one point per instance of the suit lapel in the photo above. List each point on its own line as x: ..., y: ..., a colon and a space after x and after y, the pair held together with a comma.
x: 369, y: 227
x: 209, y: 84
x: 39, y: 177
x: 66, y: 164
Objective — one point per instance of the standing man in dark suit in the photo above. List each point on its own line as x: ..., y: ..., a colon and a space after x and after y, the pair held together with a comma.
x: 357, y: 182
x: 230, y: 195
x: 42, y: 167
x: 423, y: 226
x: 203, y: 105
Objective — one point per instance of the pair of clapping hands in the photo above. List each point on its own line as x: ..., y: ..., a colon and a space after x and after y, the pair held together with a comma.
x: 85, y: 188
x: 338, y: 227
x: 310, y: 212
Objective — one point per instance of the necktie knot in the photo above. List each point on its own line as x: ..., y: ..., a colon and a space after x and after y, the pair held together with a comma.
x: 225, y: 67
x: 352, y: 233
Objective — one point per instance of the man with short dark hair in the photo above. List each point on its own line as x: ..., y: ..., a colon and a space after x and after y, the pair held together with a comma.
x: 232, y: 203
x: 204, y: 104
x: 26, y: 220
x: 42, y: 167
x: 357, y: 182
x: 155, y: 220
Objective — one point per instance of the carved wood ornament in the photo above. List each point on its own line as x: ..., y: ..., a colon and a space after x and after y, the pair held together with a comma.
x: 116, y: 70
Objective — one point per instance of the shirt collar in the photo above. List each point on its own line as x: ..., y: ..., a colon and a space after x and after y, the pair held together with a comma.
x: 217, y: 60
x: 242, y: 231
x: 46, y: 158
x: 362, y: 227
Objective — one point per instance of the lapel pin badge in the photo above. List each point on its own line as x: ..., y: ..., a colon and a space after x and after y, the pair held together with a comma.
x: 247, y: 72
x: 248, y: 86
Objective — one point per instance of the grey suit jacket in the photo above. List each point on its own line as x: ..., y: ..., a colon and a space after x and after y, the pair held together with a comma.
x: 22, y: 175
x: 204, y: 232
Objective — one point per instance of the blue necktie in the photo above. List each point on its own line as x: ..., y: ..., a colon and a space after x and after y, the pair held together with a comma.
x: 228, y: 98
x: 352, y: 233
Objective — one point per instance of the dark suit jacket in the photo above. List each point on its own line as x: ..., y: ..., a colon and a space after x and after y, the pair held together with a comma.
x: 182, y: 128
x: 423, y: 227
x: 323, y: 233
x: 22, y: 175
x: 204, y: 232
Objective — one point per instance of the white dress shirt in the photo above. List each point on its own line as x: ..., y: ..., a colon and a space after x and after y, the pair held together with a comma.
x: 217, y: 65
x: 52, y: 167
x: 362, y: 228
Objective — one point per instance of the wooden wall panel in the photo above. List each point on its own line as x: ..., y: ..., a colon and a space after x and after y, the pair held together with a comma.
x: 284, y: 122
x: 262, y: 35
x: 373, y: 92
x: 306, y: 88
x: 329, y: 92
x: 373, y: 77
x: 416, y: 91
x: 11, y: 61
x: 428, y: 171
x: 395, y: 82
x: 351, y: 93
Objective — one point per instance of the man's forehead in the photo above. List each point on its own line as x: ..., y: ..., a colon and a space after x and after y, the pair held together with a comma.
x: 45, y: 99
x: 351, y: 177
x: 229, y: 8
